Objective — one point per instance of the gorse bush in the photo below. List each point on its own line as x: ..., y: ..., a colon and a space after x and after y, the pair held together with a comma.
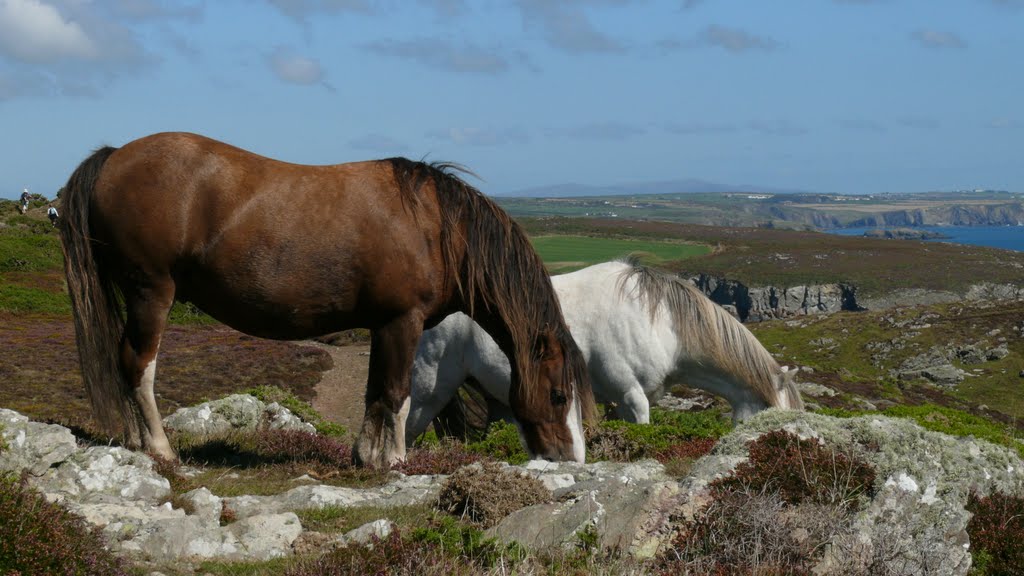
x: 40, y: 537
x: 996, y: 530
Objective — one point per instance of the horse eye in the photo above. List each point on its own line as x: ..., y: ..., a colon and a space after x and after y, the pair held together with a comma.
x: 558, y: 398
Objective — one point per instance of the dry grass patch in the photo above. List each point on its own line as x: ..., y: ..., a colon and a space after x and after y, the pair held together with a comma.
x: 485, y: 493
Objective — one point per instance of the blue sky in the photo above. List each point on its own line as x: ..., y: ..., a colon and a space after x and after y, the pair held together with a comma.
x: 849, y: 96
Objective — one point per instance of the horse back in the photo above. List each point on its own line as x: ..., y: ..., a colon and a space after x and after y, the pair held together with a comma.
x: 315, y: 248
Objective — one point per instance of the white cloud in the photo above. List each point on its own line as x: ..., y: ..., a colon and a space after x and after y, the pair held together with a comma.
x: 35, y: 32
x: 479, y: 136
x: 938, y: 39
x: 294, y: 69
x: 567, y: 27
x: 438, y: 53
x: 735, y: 40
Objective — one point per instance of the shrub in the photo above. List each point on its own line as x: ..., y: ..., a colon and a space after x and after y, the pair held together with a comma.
x: 801, y: 470
x: 468, y: 543
x: 444, y: 548
x: 996, y: 531
x: 40, y: 537
x: 624, y: 441
x: 775, y: 512
x: 487, y: 492
x: 501, y: 443
x: 444, y: 457
x: 299, y: 446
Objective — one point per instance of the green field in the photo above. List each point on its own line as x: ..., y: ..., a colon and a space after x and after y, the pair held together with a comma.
x: 568, y: 253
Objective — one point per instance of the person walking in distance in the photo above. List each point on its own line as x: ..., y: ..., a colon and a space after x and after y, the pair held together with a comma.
x: 24, y: 200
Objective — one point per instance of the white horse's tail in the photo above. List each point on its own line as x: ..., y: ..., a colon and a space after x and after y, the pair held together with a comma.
x: 710, y: 335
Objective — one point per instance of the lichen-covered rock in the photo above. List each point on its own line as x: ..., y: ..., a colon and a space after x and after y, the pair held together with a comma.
x: 235, y: 412
x: 32, y: 446
x: 916, y: 522
x: 405, y: 491
x: 628, y: 505
x: 103, y: 474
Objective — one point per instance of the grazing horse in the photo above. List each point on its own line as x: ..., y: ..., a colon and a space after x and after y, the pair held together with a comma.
x: 288, y: 251
x: 640, y: 331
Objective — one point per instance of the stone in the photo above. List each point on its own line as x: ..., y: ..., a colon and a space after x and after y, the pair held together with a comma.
x: 997, y: 353
x: 405, y: 491
x: 32, y: 446
x: 106, y: 474
x: 235, y: 412
x: 365, y: 534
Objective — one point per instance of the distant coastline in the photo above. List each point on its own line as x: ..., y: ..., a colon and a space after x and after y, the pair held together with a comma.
x: 1005, y: 237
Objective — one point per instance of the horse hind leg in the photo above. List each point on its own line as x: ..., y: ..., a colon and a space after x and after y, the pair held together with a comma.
x: 147, y: 318
x: 381, y: 440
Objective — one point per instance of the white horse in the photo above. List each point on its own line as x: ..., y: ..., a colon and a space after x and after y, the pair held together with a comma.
x: 641, y: 332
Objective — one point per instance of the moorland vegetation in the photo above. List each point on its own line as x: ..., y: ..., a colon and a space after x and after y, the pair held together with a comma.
x: 853, y: 363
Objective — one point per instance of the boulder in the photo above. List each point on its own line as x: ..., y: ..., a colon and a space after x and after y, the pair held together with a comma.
x: 627, y: 505
x: 105, y: 474
x: 235, y: 412
x: 32, y: 446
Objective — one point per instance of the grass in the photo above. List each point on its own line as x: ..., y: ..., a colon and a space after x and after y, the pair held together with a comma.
x: 341, y: 519
x: 766, y: 257
x: 854, y: 364
x: 567, y: 253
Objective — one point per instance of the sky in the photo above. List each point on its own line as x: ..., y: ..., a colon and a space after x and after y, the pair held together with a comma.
x: 835, y: 96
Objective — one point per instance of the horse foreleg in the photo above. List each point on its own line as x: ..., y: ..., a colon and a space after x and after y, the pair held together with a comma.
x: 147, y: 318
x: 381, y: 440
x: 634, y: 407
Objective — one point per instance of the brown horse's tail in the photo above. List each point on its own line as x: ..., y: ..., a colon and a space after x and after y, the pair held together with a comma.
x: 94, y: 301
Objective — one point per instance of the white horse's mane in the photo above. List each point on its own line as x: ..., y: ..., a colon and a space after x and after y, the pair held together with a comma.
x: 706, y: 330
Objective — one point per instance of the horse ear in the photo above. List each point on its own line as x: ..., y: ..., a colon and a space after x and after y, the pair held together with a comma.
x: 546, y: 346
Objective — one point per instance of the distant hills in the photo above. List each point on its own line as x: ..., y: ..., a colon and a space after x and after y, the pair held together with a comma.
x: 683, y: 186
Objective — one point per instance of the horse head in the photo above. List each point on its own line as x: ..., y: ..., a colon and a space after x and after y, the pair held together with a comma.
x: 550, y: 414
x: 785, y: 386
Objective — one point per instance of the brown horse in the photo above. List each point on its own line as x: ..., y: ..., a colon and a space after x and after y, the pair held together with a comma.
x: 289, y: 251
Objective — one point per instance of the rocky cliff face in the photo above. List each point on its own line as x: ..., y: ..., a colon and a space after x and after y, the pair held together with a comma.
x: 755, y: 304
x: 956, y: 215
x: 760, y: 303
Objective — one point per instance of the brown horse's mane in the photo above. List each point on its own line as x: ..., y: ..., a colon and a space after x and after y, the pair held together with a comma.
x: 706, y: 329
x: 500, y: 271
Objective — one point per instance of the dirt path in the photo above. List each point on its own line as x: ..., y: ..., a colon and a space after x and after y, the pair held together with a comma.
x: 339, y: 394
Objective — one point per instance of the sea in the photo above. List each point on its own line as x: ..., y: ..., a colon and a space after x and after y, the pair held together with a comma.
x: 1006, y: 237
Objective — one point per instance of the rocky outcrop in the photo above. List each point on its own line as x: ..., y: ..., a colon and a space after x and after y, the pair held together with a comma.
x: 755, y: 304
x: 936, y: 364
x: 1009, y: 214
x: 904, y: 234
x: 914, y: 524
